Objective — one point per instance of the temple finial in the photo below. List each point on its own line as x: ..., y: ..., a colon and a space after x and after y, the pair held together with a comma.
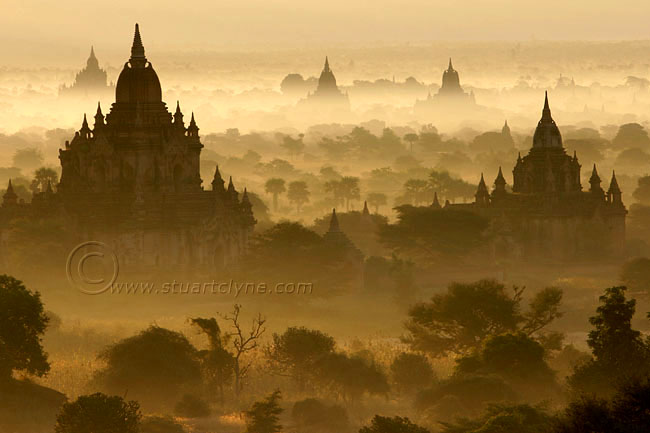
x: 334, y: 222
x: 327, y: 64
x: 137, y: 50
x: 546, y: 112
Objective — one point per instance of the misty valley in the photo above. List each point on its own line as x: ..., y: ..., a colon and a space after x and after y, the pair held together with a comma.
x: 446, y: 237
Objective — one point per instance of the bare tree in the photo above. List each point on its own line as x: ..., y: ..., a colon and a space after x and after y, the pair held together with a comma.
x: 243, y: 342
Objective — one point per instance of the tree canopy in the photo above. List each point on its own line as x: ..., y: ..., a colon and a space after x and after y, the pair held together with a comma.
x: 22, y: 324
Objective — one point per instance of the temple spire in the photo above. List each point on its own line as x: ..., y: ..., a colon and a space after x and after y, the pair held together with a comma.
x: 99, y: 116
x: 178, y: 116
x: 365, y: 212
x: 138, y: 58
x: 217, y: 181
x: 482, y: 194
x: 327, y: 64
x: 436, y: 202
x: 450, y: 68
x: 9, y: 197
x: 546, y: 112
x: 334, y: 223
x: 594, y: 181
x: 192, y: 128
x: 614, y: 192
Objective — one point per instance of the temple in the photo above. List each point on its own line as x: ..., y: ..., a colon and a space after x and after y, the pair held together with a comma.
x: 90, y: 81
x: 450, y: 102
x: 546, y: 214
x: 450, y: 91
x: 133, y: 182
x: 327, y: 93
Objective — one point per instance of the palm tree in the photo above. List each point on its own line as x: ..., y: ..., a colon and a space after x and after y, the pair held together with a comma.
x: 298, y: 194
x: 276, y: 187
x: 350, y: 189
x: 411, y: 138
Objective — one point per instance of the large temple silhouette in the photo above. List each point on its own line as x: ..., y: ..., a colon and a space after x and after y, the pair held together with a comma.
x: 133, y: 182
x: 90, y: 81
x: 546, y: 214
x: 327, y: 94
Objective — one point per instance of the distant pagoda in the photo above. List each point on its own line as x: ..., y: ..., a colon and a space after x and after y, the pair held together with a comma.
x: 90, y: 81
x: 450, y: 95
x: 327, y: 93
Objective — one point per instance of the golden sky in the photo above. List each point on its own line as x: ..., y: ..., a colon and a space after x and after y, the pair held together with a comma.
x: 46, y: 28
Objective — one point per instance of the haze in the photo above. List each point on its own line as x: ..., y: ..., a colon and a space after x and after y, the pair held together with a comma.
x: 47, y: 31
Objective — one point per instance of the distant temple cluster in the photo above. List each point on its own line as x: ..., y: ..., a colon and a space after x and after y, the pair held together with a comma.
x: 546, y: 214
x: 89, y: 81
x: 133, y: 182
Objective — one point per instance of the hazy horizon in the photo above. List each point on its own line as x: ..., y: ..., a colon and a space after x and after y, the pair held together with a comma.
x: 38, y: 32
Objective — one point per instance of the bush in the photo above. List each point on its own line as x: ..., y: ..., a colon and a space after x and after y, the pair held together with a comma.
x: 99, y: 413
x: 411, y: 371
x: 154, y: 366
x: 160, y: 424
x: 191, y: 406
x: 312, y: 415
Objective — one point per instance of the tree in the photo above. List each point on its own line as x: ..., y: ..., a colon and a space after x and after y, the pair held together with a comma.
x: 191, y: 406
x: 411, y: 371
x: 411, y: 138
x: 42, y: 177
x: 627, y: 412
x: 218, y: 364
x: 377, y: 199
x: 160, y: 424
x: 635, y: 274
x: 294, y: 146
x: 264, y: 416
x: 397, y: 424
x: 502, y: 418
x: 350, y: 377
x: 620, y: 352
x: 350, y: 189
x: 276, y: 187
x: 298, y: 194
x: 336, y: 189
x: 293, y: 85
x: 99, y: 413
x: 447, y: 186
x: 460, y: 320
x: 154, y: 366
x: 426, y: 234
x: 312, y: 415
x: 642, y: 191
x: 417, y: 190
x: 336, y: 149
x: 22, y: 324
x: 631, y: 135
x: 243, y: 342
x: 297, y: 352
x: 515, y: 357
x: 28, y: 158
